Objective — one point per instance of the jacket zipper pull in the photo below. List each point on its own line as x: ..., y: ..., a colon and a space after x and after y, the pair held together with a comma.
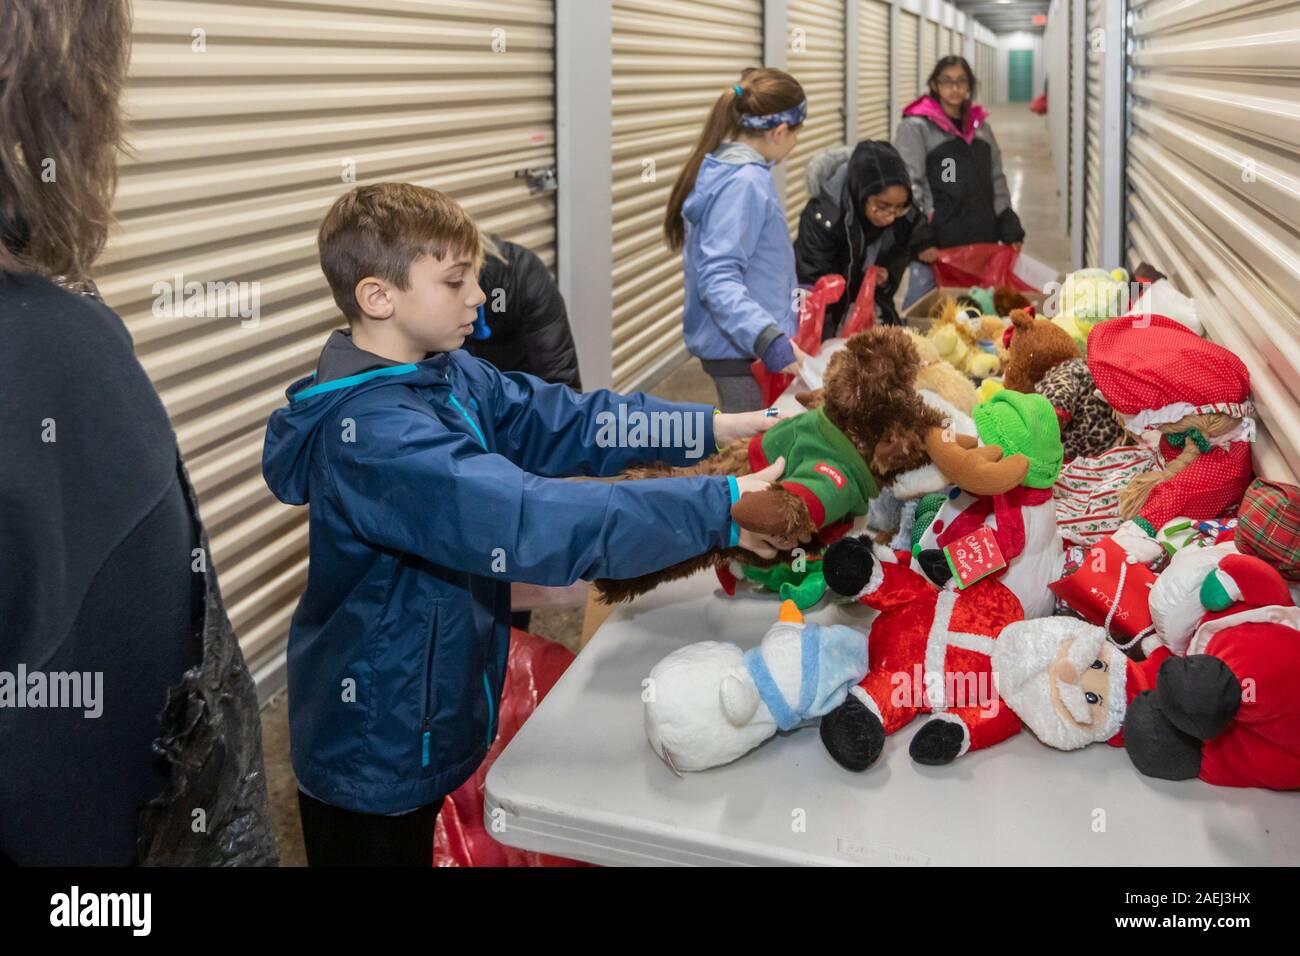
x: 424, y: 744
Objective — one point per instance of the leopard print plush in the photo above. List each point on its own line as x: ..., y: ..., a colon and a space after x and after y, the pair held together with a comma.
x: 1088, y: 425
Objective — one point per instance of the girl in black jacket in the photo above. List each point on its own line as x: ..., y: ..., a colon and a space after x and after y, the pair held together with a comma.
x: 526, y: 314
x: 956, y: 167
x: 861, y: 216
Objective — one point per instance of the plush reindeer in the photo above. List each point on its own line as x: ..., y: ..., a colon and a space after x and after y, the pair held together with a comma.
x: 865, y: 426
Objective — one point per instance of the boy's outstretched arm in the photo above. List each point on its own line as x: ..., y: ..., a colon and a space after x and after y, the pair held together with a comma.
x: 552, y: 430
x: 415, y: 486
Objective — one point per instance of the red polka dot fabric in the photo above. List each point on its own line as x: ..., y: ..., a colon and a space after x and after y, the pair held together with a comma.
x: 1212, y: 484
x: 1145, y: 362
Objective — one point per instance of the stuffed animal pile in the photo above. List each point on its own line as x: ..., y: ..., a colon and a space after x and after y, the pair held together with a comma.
x: 1083, y: 549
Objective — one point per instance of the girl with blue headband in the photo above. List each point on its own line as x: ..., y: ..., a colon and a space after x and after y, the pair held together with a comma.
x: 728, y: 220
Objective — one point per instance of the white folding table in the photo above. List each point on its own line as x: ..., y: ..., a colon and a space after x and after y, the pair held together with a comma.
x: 579, y: 780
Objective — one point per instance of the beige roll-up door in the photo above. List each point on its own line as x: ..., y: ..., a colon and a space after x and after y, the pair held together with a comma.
x: 246, y: 117
x: 873, y: 69
x: 1214, y: 187
x: 672, y: 59
x: 946, y: 43
x: 929, y: 46
x: 819, y: 67
x: 1092, y: 140
x: 909, y: 37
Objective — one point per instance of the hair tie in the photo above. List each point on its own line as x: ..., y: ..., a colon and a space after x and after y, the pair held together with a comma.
x: 740, y: 90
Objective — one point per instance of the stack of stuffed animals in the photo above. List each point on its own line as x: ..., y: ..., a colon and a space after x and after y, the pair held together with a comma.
x: 1086, y: 552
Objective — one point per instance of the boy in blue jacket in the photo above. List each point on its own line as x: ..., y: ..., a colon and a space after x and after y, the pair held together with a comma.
x: 433, y: 482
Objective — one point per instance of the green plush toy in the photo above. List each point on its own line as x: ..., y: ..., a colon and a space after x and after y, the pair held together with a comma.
x: 805, y: 588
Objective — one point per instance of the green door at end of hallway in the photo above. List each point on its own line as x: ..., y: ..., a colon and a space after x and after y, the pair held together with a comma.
x: 1020, y: 75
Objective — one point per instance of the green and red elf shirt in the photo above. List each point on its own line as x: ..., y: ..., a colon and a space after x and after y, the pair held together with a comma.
x: 822, y: 467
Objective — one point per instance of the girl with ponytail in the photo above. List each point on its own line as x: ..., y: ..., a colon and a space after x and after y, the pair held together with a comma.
x: 726, y: 217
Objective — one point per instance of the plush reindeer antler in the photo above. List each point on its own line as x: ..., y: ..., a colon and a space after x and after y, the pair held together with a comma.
x: 979, y: 470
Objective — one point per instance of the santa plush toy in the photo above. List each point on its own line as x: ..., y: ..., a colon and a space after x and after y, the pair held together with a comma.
x: 1190, y: 400
x: 1227, y: 712
x: 929, y: 653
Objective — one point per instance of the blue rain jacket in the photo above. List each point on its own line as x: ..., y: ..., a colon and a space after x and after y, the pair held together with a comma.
x: 431, y: 487
x: 738, y: 260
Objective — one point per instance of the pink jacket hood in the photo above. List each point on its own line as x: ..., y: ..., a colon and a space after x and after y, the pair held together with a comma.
x: 931, y: 109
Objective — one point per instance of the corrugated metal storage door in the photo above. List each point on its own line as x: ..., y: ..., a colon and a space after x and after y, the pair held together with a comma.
x: 820, y: 69
x: 946, y: 46
x: 239, y: 151
x: 1214, y: 177
x: 873, y: 69
x: 1092, y: 142
x: 909, y: 35
x: 671, y: 61
x: 929, y: 46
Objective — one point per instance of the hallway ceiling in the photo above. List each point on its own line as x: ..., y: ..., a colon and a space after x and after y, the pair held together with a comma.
x: 1018, y: 15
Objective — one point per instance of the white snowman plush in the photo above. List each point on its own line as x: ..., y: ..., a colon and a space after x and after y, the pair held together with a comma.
x: 709, y: 703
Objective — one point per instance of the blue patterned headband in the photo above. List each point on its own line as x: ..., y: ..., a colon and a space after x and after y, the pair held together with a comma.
x: 793, y: 116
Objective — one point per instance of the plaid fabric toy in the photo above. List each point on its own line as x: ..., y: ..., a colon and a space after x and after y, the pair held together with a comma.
x: 1269, y: 525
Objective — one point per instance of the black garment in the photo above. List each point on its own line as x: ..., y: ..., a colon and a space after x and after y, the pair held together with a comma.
x: 963, y: 197
x: 526, y: 313
x: 98, y: 574
x: 337, y: 837
x: 835, y: 235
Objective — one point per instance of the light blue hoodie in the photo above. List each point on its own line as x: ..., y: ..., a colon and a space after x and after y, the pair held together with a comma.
x: 738, y: 258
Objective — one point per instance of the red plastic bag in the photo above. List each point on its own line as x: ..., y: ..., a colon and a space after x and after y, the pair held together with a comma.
x: 459, y: 837
x: 982, y: 263
x: 1039, y: 104
x: 863, y: 314
x: 812, y: 318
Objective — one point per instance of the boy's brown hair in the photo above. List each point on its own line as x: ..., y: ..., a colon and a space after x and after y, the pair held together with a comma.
x: 381, y: 229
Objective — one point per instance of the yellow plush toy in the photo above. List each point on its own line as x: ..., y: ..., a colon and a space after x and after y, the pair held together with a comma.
x: 988, y: 388
x: 937, y: 376
x: 1089, y: 296
x: 965, y: 339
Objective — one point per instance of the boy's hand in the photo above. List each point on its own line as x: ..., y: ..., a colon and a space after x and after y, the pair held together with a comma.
x: 765, y: 546
x: 928, y: 255
x: 729, y: 427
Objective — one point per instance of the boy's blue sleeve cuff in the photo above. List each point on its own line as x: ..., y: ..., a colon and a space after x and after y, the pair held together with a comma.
x: 734, y: 488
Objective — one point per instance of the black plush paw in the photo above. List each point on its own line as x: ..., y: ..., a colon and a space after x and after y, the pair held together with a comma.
x: 934, y: 566
x: 847, y: 565
x: 1156, y: 747
x: 1199, y: 694
x: 937, y: 742
x: 853, y: 735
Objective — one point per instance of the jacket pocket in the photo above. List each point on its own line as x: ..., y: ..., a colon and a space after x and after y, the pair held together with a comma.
x: 429, y: 704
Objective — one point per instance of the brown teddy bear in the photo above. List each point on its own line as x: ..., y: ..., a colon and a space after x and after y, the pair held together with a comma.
x: 1036, y: 347
x: 864, y: 427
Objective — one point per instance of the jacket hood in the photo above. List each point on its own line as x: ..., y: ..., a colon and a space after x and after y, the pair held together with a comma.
x: 930, y: 108
x: 873, y: 167
x: 714, y: 174
x: 292, y: 430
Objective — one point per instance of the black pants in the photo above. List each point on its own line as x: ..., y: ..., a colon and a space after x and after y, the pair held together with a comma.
x: 336, y: 837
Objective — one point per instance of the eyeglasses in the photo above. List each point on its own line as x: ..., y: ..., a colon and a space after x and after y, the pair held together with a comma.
x: 947, y: 82
x: 885, y: 209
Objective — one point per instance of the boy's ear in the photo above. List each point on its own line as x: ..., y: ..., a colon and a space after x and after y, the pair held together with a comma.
x: 373, y: 299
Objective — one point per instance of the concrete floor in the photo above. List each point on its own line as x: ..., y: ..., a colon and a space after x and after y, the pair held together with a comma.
x: 1026, y: 159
